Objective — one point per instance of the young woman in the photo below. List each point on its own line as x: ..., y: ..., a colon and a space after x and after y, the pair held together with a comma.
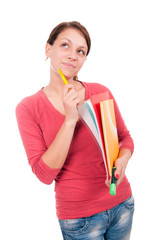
x: 60, y: 147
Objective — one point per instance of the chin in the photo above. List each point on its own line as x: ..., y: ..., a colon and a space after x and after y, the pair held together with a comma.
x: 69, y: 74
x: 68, y: 77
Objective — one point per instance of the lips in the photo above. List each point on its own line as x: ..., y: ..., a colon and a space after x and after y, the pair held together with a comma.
x: 69, y: 65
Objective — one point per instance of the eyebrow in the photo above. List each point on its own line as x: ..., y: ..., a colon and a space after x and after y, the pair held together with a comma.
x: 71, y: 42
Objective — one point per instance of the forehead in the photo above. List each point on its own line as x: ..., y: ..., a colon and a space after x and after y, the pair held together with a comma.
x: 74, y: 35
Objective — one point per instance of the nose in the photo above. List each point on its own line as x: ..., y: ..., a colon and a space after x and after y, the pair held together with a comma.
x: 72, y: 55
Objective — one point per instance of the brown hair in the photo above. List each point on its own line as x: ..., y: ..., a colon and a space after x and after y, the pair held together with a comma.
x: 64, y: 25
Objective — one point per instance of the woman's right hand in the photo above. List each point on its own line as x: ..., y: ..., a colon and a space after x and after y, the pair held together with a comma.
x: 70, y: 101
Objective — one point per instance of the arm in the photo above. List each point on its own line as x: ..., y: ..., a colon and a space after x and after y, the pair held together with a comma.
x: 56, y: 154
x: 47, y: 163
x: 121, y: 164
x: 126, y: 147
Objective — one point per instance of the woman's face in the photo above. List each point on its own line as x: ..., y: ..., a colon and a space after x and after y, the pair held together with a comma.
x: 68, y: 52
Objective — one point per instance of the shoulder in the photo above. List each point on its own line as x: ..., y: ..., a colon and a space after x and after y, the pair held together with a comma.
x: 29, y: 101
x: 95, y: 88
x: 31, y: 105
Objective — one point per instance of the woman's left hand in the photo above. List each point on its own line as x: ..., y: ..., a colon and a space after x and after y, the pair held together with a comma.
x: 120, y: 164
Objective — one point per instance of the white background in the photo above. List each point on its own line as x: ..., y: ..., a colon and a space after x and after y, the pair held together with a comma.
x: 123, y: 57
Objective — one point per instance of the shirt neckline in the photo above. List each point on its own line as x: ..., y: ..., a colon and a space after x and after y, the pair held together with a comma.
x: 50, y: 105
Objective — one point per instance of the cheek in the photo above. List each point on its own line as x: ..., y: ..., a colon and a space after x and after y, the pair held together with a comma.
x: 56, y: 58
x: 81, y: 62
x: 56, y: 53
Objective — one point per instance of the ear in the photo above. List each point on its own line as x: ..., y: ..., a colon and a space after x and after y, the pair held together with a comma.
x: 48, y: 48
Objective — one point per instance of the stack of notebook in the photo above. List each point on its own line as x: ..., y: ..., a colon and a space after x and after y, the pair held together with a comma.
x: 99, y: 115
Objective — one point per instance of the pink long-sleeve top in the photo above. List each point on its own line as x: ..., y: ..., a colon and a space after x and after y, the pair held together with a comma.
x: 80, y: 188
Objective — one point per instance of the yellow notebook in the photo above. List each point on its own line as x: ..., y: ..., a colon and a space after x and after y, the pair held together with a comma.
x: 109, y: 132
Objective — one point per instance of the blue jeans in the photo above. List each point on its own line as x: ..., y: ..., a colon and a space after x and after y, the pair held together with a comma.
x: 113, y: 224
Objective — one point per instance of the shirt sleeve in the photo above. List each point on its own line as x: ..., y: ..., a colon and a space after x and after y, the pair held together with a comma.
x: 34, y: 144
x: 124, y: 137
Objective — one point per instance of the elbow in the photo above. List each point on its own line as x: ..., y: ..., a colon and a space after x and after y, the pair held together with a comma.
x: 127, y: 143
x: 42, y: 176
x: 44, y: 173
x: 45, y: 180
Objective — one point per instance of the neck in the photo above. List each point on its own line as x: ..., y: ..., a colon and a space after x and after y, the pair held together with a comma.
x: 56, y: 84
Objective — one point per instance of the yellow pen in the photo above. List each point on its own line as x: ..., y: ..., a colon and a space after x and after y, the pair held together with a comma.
x: 62, y: 76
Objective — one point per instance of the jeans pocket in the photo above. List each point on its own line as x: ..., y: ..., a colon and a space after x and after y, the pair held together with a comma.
x: 129, y: 203
x: 73, y: 225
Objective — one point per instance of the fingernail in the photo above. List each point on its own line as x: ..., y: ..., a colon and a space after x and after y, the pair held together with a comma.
x: 117, y: 175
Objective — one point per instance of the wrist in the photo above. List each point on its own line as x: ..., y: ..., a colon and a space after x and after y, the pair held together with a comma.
x: 70, y: 123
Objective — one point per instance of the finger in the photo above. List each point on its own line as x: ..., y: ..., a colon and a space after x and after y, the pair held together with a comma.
x: 71, y: 97
x: 118, y: 170
x: 72, y: 101
x: 70, y: 92
x: 121, y: 177
x: 119, y: 181
x: 75, y: 102
x: 117, y: 174
x: 68, y: 87
x: 108, y: 182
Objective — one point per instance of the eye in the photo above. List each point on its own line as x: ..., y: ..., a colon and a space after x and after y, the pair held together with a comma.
x: 65, y: 45
x: 82, y: 52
